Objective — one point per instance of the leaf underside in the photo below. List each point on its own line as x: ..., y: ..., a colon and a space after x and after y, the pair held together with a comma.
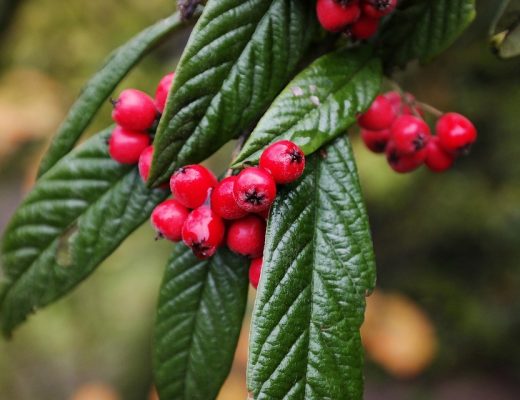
x: 199, y: 316
x: 77, y: 214
x: 318, y: 268
x: 240, y: 55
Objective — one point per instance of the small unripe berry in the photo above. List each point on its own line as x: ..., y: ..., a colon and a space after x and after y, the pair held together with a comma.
x: 404, y: 163
x: 380, y: 115
x: 437, y: 159
x: 223, y: 200
x: 335, y: 15
x: 161, y: 94
x: 456, y: 133
x: 284, y: 160
x: 255, y: 270
x: 125, y: 146
x: 376, y: 141
x: 378, y: 8
x: 168, y: 219
x: 255, y: 189
x: 190, y: 185
x: 246, y: 236
x: 145, y: 162
x: 203, y: 232
x: 410, y: 134
x: 134, y: 110
x: 364, y: 28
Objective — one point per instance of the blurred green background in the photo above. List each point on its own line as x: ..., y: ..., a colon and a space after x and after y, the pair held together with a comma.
x: 445, y: 323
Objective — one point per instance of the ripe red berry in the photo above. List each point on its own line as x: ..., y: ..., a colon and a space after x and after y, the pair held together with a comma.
x: 336, y: 15
x: 284, y: 160
x: 145, y: 162
x: 255, y: 189
x: 404, y: 163
x: 190, y: 185
x: 365, y: 27
x: 378, y: 8
x: 380, y: 115
x: 203, y: 232
x: 437, y: 159
x: 456, y: 133
x: 246, y: 236
x: 255, y: 269
x: 404, y: 105
x: 376, y: 141
x: 134, y: 110
x: 125, y: 146
x: 168, y: 219
x: 223, y: 201
x: 410, y: 134
x: 161, y: 94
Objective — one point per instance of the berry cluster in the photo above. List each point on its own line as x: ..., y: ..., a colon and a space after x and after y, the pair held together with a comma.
x: 205, y: 213
x: 394, y: 125
x: 357, y: 18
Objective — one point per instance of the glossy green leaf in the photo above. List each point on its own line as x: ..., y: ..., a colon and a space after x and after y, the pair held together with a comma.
x: 77, y: 214
x: 199, y: 316
x: 240, y: 55
x: 101, y: 85
x: 319, y: 104
x: 318, y: 268
x: 505, y: 30
x: 421, y: 29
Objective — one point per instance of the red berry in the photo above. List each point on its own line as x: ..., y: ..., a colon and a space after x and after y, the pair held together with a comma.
x: 161, y: 94
x: 145, y: 162
x: 408, y: 106
x: 404, y: 163
x: 255, y: 269
x: 364, y: 28
x: 125, y: 146
x: 246, y: 236
x: 376, y: 141
x: 437, y: 159
x: 168, y: 219
x: 134, y: 110
x: 456, y: 133
x: 223, y: 201
x: 255, y: 189
x: 378, y: 8
x: 190, y: 185
x: 335, y: 15
x: 284, y: 160
x: 379, y: 115
x: 410, y: 134
x: 203, y: 232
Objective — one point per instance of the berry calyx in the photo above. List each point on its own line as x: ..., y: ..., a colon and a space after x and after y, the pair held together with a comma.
x: 246, y: 236
x: 255, y: 189
x: 437, y: 159
x: 456, y: 133
x: 223, y: 201
x: 134, y: 110
x: 190, y: 185
x: 255, y: 270
x: 163, y: 88
x: 364, y: 28
x: 284, y: 160
x: 380, y: 115
x: 145, y: 162
x: 336, y: 15
x: 404, y: 163
x: 378, y: 8
x: 203, y: 232
x: 410, y: 134
x: 168, y: 219
x: 376, y: 141
x: 125, y: 146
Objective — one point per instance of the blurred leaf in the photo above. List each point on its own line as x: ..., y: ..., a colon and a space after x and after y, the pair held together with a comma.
x: 199, y: 316
x: 319, y: 104
x: 318, y: 268
x: 78, y: 213
x: 101, y: 85
x: 240, y: 55
x: 505, y: 30
x: 421, y: 29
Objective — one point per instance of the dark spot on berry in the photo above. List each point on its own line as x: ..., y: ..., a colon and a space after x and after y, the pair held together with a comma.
x: 380, y: 146
x: 393, y: 157
x: 158, y: 236
x: 200, y: 249
x: 255, y: 198
x: 381, y: 5
x: 419, y: 142
x: 114, y: 102
x: 296, y: 156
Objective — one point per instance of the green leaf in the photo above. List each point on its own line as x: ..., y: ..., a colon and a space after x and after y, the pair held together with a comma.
x: 421, y: 29
x: 318, y: 268
x: 199, y: 316
x: 77, y: 214
x: 102, y: 84
x: 505, y: 30
x: 319, y: 104
x: 240, y: 55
